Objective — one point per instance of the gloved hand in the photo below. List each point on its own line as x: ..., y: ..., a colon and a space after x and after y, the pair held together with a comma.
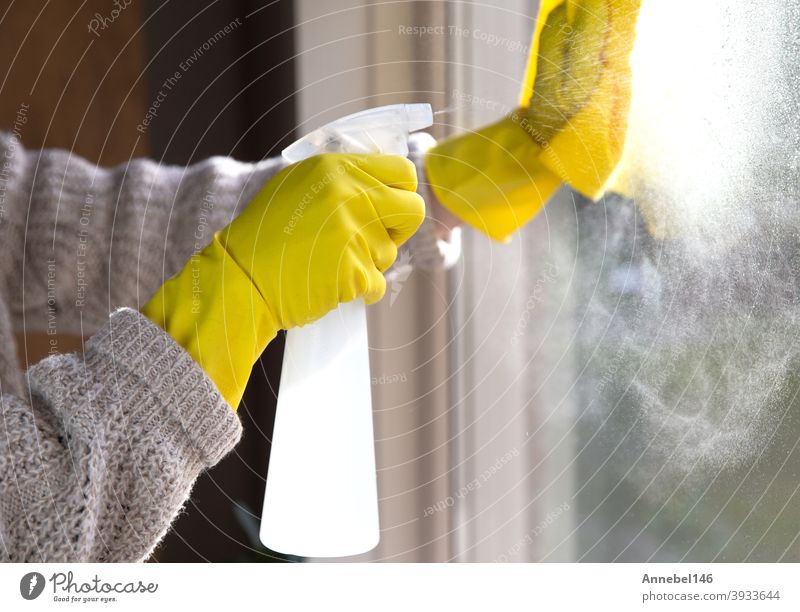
x: 570, y: 126
x: 321, y: 232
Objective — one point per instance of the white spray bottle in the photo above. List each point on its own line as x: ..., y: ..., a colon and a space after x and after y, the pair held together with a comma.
x: 321, y: 498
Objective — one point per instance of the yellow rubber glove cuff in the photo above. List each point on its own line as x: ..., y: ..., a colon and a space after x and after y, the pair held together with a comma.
x: 213, y: 310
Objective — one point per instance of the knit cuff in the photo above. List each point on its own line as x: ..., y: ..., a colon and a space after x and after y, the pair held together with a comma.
x: 167, y: 394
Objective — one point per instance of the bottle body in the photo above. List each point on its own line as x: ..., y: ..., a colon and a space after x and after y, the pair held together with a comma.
x: 321, y: 498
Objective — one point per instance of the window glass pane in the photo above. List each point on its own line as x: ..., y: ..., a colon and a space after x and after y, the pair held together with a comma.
x: 688, y: 294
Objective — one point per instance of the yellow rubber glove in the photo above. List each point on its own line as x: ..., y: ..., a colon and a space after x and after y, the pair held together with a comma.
x: 570, y: 126
x: 321, y: 232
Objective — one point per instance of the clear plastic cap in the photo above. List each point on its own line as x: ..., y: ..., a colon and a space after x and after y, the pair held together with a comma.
x: 418, y: 116
x: 384, y: 129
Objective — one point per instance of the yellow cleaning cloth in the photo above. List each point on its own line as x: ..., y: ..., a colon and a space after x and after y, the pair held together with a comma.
x: 570, y: 126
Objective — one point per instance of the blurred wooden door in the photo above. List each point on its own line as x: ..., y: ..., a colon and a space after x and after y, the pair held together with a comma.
x: 63, y: 86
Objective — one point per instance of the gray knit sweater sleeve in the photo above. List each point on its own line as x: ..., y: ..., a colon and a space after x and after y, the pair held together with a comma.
x: 99, y: 450
x: 103, y: 451
x: 79, y: 241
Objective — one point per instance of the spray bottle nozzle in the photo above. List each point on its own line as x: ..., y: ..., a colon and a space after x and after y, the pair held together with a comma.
x: 384, y: 129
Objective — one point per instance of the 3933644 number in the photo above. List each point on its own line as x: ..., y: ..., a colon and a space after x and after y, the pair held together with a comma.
x: 747, y: 595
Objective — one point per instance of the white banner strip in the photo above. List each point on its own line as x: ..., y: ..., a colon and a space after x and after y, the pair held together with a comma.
x: 387, y: 587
